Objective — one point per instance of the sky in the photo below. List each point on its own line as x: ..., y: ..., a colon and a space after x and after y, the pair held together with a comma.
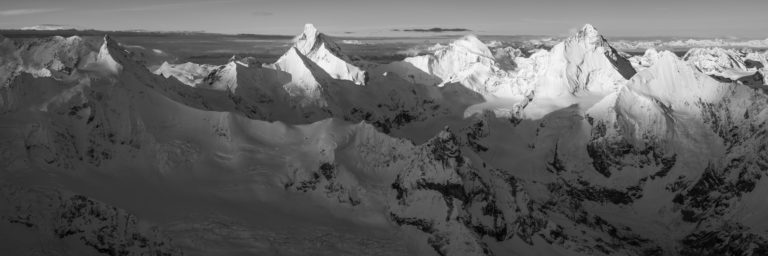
x: 685, y: 18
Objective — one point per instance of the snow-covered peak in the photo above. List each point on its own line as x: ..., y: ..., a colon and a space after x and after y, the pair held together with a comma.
x: 308, y: 39
x: 58, y: 55
x: 589, y: 32
x: 667, y: 58
x: 105, y: 57
x: 672, y: 81
x: 294, y: 60
x: 725, y: 65
x: 588, y: 37
x: 467, y: 61
x: 646, y: 60
x: 472, y: 44
x: 213, y: 77
x: 665, y: 82
x: 307, y: 78
x: 327, y: 54
x: 45, y: 57
x: 714, y: 60
x: 658, y: 102
x: 587, y: 63
x: 189, y: 73
x: 309, y: 28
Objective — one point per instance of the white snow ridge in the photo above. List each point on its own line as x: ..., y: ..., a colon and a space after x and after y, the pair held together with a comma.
x: 463, y: 150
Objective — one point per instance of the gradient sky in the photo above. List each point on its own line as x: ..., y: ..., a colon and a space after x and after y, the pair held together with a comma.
x: 688, y: 18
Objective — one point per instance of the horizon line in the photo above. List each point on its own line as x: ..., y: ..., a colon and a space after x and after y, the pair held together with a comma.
x: 360, y: 34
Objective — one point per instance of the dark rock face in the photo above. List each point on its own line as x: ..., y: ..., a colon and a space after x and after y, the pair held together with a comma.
x: 619, y: 238
x: 724, y: 183
x: 445, y: 149
x: 583, y: 191
x: 726, y: 240
x: 108, y: 230
x: 611, y: 153
x: 474, y: 135
x: 487, y: 213
x: 462, y: 196
x: 395, y: 112
x: 324, y: 180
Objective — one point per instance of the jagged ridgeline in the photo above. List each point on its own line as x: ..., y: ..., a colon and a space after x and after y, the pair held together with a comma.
x: 576, y: 150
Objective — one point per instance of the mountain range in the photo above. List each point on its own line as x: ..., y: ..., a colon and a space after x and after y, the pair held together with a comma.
x: 467, y: 149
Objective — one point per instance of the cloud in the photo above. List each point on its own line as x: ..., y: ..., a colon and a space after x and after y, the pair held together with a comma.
x: 156, y: 7
x: 48, y: 27
x: 15, y: 12
x: 263, y: 13
x: 434, y: 30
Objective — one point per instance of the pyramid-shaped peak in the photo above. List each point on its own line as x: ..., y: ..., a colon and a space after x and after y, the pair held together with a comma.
x: 311, y: 39
x: 588, y: 31
x: 112, y: 45
x: 109, y: 56
x: 108, y: 40
x: 294, y: 60
x: 310, y: 30
x: 589, y: 28
x: 326, y: 54
x: 309, y: 36
x: 307, y: 79
x: 588, y: 35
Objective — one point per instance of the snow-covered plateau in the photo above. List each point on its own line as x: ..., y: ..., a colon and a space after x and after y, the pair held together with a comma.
x: 576, y: 149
